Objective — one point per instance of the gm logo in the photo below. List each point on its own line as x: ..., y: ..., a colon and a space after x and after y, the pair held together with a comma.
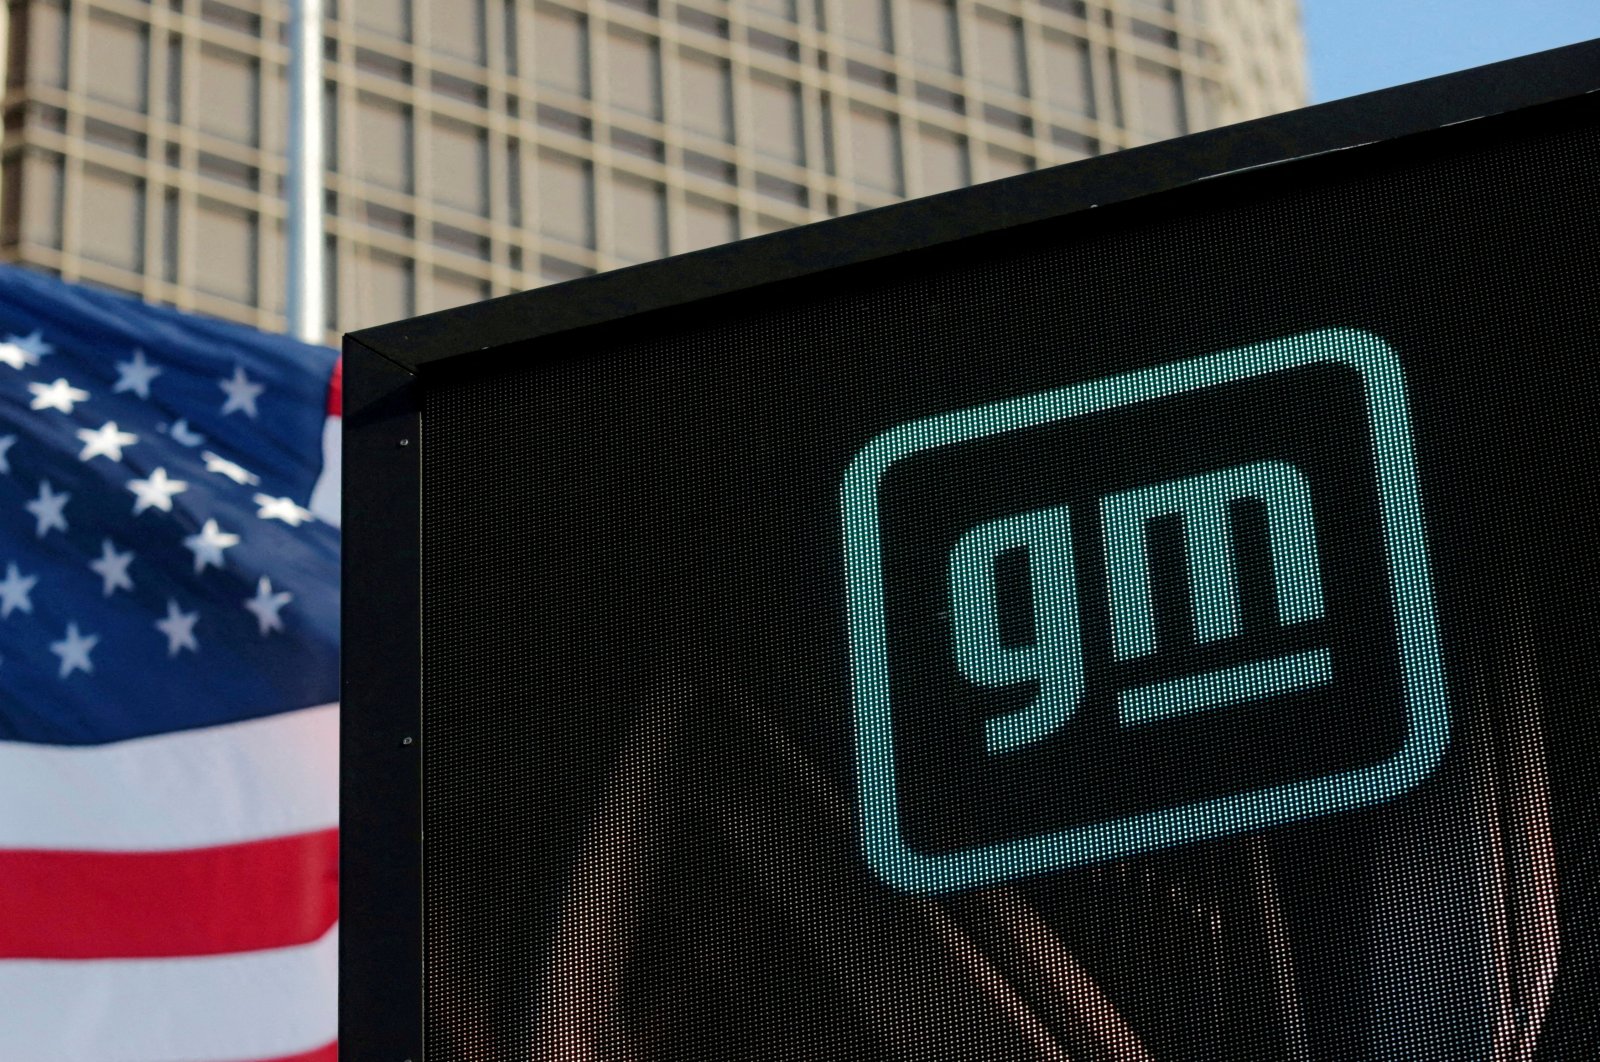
x: 1147, y: 610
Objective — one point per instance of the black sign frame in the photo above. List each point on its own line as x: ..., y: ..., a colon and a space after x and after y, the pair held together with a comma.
x: 388, y: 368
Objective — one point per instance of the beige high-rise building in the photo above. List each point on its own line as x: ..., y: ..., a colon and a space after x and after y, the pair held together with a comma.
x: 478, y: 147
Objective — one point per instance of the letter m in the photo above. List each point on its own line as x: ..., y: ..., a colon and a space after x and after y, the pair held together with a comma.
x: 1203, y: 504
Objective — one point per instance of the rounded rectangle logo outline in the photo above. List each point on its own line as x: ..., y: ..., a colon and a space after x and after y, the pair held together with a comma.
x: 1411, y: 597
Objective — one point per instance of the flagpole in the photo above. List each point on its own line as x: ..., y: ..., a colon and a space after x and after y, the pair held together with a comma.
x: 304, y: 300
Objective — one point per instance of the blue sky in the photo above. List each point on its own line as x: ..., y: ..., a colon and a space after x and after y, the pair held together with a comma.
x: 1361, y: 45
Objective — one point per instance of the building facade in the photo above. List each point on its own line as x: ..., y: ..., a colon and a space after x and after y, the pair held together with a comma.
x: 479, y: 147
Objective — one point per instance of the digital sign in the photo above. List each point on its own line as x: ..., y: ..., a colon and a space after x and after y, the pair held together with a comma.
x: 1141, y: 610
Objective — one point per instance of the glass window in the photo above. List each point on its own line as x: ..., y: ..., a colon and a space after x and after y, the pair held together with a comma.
x: 119, y: 138
x: 777, y: 122
x: 111, y: 218
x: 1069, y: 81
x: 119, y: 69
x: 556, y: 271
x: 773, y: 44
x: 706, y: 166
x: 225, y: 252
x: 830, y: 152
x: 555, y: 49
x: 1006, y: 163
x: 703, y: 22
x: 41, y: 199
x: 766, y: 223
x: 942, y: 161
x: 386, y: 288
x: 1159, y: 90
x: 934, y: 96
x: 331, y: 141
x: 459, y: 166
x: 228, y: 171
x: 46, y: 30
x: 639, y: 214
x: 1073, y: 145
x: 455, y: 289
x: 230, y: 85
x: 460, y: 241
x: 330, y: 278
x: 381, y: 142
x: 455, y: 28
x: 778, y: 188
x: 1001, y: 60
x: 708, y: 223
x: 707, y: 96
x: 867, y: 21
x: 1145, y: 31
x: 633, y: 73
x: 933, y: 34
x: 1213, y: 104
x: 514, y: 183
x: 875, y: 149
x: 390, y: 18
x: 270, y: 232
x: 566, y: 199
x: 781, y: 8
x: 232, y: 17
x: 174, y: 79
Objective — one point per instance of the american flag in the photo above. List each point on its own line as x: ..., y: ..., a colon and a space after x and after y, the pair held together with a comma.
x: 169, y: 610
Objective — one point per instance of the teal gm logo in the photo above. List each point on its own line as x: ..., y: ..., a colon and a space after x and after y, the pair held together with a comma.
x: 1157, y: 608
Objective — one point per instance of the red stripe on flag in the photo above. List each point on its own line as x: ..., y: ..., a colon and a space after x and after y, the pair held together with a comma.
x: 205, y: 901
x: 336, y: 390
x: 325, y: 1053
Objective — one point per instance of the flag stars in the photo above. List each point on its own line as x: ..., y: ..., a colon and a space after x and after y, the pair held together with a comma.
x: 207, y: 545
x: 58, y: 395
x: 155, y: 492
x: 135, y: 375
x: 16, y: 356
x: 178, y: 626
x: 47, y: 510
x: 74, y: 651
x: 107, y: 441
x: 14, y: 591
x: 183, y: 435
x: 19, y: 352
x: 282, y: 509
x: 242, y: 393
x: 112, y: 567
x: 223, y: 467
x: 266, y: 605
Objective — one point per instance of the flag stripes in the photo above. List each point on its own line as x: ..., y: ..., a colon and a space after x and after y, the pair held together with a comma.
x: 223, y: 1008
x: 268, y: 777
x: 101, y: 905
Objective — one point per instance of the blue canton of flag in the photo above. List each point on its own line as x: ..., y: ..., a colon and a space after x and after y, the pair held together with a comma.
x: 159, y: 569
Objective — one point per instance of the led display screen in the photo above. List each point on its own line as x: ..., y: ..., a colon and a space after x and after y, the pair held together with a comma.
x: 1163, y: 632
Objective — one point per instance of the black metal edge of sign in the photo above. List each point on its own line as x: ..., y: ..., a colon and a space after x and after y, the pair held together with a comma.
x: 463, y: 334
x: 380, y: 791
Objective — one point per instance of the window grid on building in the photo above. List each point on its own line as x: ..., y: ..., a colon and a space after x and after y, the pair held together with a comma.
x: 479, y: 147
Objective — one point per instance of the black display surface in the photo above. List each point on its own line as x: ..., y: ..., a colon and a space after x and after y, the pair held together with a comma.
x: 1162, y: 631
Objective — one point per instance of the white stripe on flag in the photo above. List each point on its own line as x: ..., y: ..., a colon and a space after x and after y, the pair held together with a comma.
x: 325, y: 495
x: 264, y: 1004
x: 261, y: 778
